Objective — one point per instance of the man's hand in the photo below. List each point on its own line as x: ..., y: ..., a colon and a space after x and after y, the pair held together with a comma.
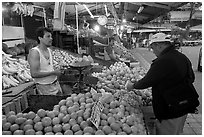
x: 129, y: 85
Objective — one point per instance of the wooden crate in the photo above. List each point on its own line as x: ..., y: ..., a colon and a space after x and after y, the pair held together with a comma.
x: 17, y: 101
x: 24, y: 102
x: 5, y: 109
x: 17, y: 104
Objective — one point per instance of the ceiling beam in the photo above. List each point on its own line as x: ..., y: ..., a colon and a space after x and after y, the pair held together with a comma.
x: 153, y: 4
x: 94, y: 8
x: 81, y: 3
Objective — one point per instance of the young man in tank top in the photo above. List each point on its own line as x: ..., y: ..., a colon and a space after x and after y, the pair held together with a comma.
x: 41, y: 64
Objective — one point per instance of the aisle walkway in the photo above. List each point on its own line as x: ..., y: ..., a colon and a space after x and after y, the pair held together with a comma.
x: 193, y: 124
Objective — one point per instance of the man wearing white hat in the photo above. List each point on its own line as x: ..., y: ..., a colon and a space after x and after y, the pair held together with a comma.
x: 171, y: 77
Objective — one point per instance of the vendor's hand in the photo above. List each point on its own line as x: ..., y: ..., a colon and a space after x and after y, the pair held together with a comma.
x: 129, y: 85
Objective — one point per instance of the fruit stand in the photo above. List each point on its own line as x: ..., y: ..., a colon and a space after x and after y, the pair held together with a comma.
x: 79, y: 113
x: 106, y: 108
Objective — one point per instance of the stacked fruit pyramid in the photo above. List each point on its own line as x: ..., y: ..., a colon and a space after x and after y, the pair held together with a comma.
x: 14, y: 71
x: 72, y: 115
x: 119, y: 112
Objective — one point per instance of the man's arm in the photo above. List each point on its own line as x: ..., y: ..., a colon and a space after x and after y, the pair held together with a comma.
x: 34, y: 62
x: 156, y: 73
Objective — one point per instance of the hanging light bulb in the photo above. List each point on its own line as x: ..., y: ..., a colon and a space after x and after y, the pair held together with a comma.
x: 96, y: 28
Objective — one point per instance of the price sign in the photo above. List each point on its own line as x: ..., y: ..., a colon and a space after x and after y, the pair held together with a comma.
x: 100, y: 105
x: 96, y: 112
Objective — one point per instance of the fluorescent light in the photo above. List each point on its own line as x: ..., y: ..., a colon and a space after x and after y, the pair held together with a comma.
x: 140, y: 9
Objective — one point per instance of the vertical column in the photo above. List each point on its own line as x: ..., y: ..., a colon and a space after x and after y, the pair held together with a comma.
x: 77, y: 25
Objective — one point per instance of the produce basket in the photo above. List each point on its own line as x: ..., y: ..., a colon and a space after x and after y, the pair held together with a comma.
x: 46, y: 102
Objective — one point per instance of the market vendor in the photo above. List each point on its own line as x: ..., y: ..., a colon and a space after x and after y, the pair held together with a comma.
x: 110, y: 51
x: 41, y: 64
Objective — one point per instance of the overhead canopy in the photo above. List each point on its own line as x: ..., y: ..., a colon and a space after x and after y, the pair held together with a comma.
x: 134, y: 12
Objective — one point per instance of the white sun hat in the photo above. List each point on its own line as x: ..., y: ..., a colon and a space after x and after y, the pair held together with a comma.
x: 159, y: 37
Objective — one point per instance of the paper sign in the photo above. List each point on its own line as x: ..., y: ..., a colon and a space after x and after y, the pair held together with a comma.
x: 96, y: 112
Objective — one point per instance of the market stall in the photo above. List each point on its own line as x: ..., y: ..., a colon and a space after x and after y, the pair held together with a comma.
x: 116, y: 117
x: 106, y: 109
x: 94, y: 100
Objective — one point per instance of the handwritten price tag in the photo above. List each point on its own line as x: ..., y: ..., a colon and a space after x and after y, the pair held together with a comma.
x: 96, y: 112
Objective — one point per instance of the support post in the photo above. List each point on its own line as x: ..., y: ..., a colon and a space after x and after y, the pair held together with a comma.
x: 77, y: 25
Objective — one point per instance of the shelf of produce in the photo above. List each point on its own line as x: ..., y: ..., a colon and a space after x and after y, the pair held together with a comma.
x: 67, y: 51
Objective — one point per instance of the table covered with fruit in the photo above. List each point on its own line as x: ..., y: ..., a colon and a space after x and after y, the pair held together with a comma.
x: 107, y: 108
